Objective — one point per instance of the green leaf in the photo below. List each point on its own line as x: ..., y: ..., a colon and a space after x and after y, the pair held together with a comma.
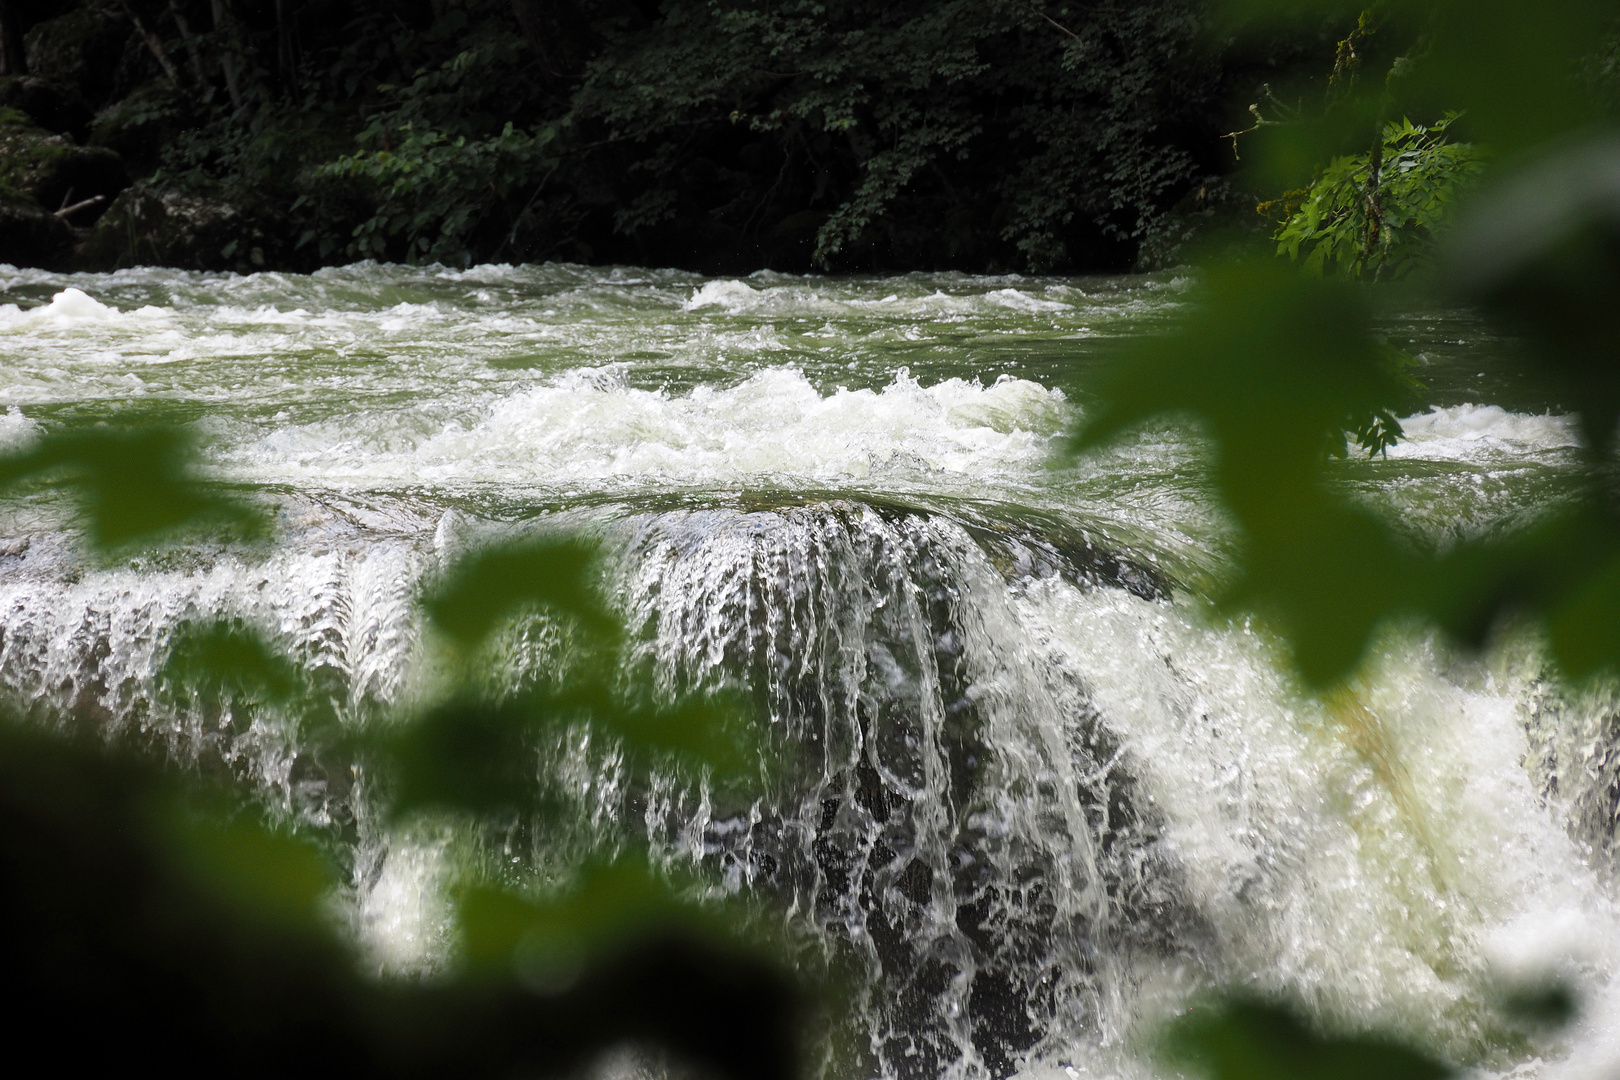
x: 268, y: 875
x: 608, y: 908
x: 133, y: 484
x: 559, y: 574
x: 1247, y: 1039
x: 226, y: 659
x: 1278, y: 370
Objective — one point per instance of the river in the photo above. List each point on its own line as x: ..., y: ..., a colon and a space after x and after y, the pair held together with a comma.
x: 1050, y: 798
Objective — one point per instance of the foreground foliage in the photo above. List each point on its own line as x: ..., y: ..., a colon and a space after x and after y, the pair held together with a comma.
x: 1279, y: 370
x: 216, y: 932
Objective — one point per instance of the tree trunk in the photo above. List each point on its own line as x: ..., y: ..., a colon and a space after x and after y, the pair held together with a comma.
x: 190, y: 42
x: 154, y: 45
x: 285, y: 58
x: 227, y: 60
x: 12, y: 59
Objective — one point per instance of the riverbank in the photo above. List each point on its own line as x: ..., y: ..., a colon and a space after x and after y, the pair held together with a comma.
x: 218, y: 135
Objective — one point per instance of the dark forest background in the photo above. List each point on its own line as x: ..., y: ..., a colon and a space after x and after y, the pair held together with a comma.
x: 715, y: 135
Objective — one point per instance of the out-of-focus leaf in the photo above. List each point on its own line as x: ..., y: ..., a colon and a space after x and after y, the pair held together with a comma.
x: 473, y: 755
x: 1277, y: 368
x: 1542, y: 250
x: 1282, y: 155
x: 609, y: 907
x: 225, y: 659
x: 492, y: 585
x: 1510, y: 64
x: 1246, y: 1039
x: 1544, y: 1005
x: 133, y: 484
x: 226, y: 663
x: 1584, y: 629
x: 483, y: 758
x: 705, y: 730
x: 266, y: 874
x: 195, y: 942
x: 1326, y: 576
x: 469, y: 756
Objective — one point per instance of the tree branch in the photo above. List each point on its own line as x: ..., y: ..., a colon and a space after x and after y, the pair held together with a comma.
x: 153, y: 43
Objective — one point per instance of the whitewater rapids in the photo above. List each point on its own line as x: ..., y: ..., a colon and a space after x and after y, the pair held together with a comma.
x: 1044, y: 800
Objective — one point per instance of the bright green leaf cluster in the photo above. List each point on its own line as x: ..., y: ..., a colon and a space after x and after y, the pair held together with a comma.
x: 1381, y: 220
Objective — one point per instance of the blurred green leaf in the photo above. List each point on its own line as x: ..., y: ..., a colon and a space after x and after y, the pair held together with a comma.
x: 1584, y: 628
x: 609, y: 907
x: 467, y: 755
x: 1513, y: 66
x: 706, y: 730
x: 265, y: 874
x: 228, y: 664
x: 1541, y: 251
x: 1543, y: 1005
x: 484, y: 758
x: 1280, y: 371
x: 1248, y: 1039
x: 133, y: 484
x: 1326, y: 576
x: 1277, y: 367
x: 223, y: 659
x: 1282, y: 155
x: 557, y: 573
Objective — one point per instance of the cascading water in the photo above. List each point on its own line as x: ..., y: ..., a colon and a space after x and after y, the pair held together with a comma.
x: 1029, y: 796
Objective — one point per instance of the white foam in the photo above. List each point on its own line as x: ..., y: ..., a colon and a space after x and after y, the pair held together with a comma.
x: 16, y: 430
x: 1022, y: 301
x: 589, y: 426
x: 1377, y: 857
x: 1470, y: 432
x: 732, y: 295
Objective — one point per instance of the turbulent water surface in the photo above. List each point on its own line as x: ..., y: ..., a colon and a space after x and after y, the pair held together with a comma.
x: 1043, y: 800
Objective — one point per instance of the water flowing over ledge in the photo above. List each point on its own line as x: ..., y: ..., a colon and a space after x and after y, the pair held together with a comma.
x: 1033, y: 798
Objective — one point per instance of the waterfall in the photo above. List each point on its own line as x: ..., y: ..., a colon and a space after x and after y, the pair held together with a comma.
x: 1026, y: 795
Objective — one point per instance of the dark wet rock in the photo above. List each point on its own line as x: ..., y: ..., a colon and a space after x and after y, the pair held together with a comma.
x: 55, y: 106
x: 150, y: 226
x: 82, y: 48
x: 30, y: 236
x: 137, y: 127
x: 55, y: 171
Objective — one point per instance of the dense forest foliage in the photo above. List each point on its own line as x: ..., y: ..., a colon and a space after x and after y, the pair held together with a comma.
x: 720, y: 135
